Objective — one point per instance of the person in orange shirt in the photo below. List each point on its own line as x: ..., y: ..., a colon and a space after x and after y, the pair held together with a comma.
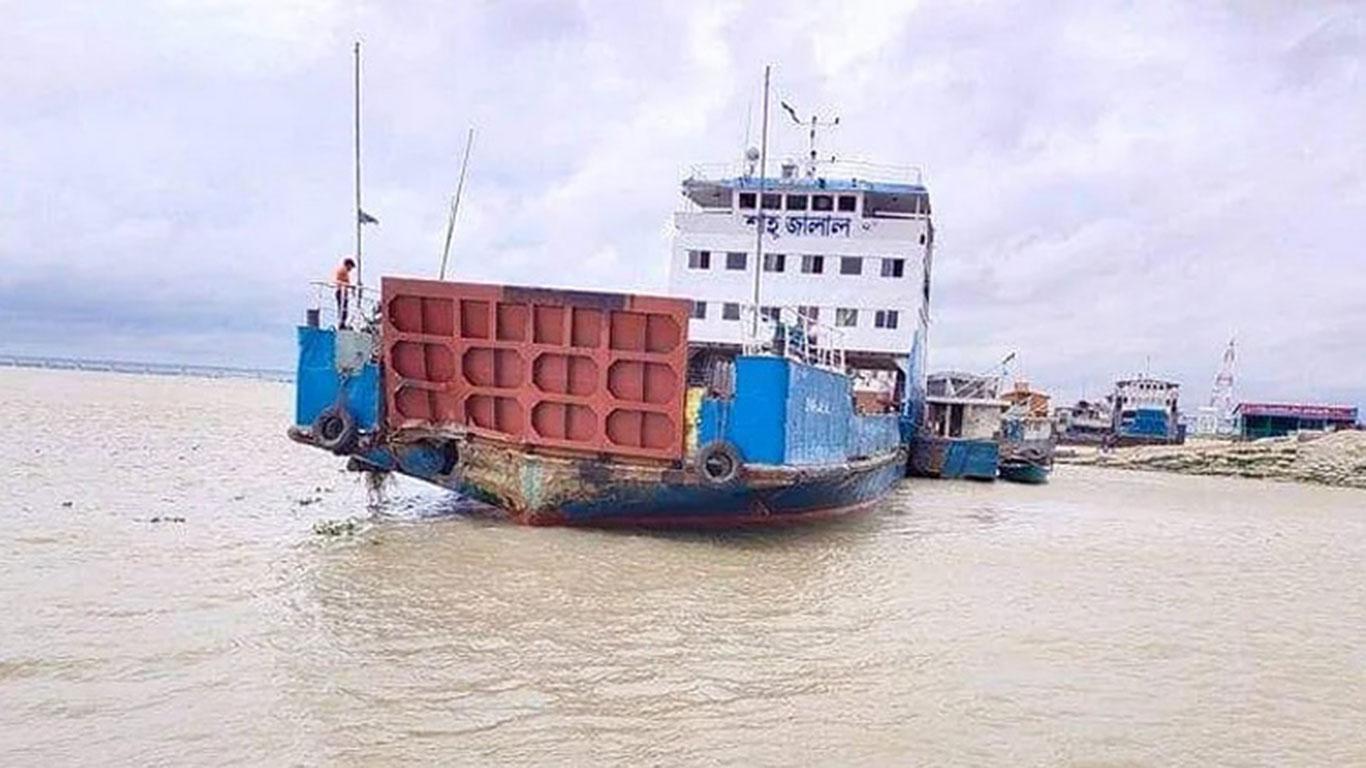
x: 342, y: 280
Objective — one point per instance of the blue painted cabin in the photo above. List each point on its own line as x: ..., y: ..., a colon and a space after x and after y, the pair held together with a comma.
x: 784, y: 412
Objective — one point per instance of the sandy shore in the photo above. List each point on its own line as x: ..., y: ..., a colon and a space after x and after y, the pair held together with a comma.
x: 1334, y: 459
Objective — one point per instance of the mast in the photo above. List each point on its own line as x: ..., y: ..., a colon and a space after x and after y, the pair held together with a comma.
x: 455, y: 203
x: 359, y: 275
x: 759, y: 230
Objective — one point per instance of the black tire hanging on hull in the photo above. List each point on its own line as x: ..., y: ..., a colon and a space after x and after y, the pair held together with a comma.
x: 335, y: 429
x: 719, y: 463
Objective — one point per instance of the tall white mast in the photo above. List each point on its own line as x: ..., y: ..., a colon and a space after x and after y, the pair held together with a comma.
x: 759, y: 227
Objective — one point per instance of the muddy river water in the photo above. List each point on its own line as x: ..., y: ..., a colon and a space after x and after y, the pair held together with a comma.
x: 165, y: 599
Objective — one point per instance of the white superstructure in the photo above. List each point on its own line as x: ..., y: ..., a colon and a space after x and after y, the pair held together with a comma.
x: 849, y: 246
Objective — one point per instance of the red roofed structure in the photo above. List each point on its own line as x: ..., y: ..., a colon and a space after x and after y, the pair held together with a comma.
x: 1274, y: 419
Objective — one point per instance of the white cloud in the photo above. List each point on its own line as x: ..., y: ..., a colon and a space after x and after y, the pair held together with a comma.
x: 1113, y: 183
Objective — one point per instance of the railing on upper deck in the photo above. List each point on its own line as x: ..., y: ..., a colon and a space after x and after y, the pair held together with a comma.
x: 793, y: 335
x: 852, y: 170
x: 362, y: 305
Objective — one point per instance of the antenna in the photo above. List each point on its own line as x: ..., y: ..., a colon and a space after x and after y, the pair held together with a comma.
x: 814, y: 123
x: 360, y: 281
x: 759, y: 227
x: 455, y: 203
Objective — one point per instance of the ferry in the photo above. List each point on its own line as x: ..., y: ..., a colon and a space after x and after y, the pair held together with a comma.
x: 961, y: 434
x: 733, y: 400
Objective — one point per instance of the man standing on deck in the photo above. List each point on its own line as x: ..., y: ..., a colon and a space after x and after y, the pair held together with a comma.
x: 342, y: 280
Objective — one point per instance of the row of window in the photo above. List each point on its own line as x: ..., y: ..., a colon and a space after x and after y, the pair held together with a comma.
x: 774, y: 201
x: 845, y: 317
x: 810, y: 264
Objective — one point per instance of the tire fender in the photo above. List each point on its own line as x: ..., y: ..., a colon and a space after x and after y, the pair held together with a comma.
x: 719, y: 463
x: 335, y: 429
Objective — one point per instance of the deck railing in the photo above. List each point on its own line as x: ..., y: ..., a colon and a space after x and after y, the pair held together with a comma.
x: 362, y: 304
x: 788, y: 332
x: 843, y: 169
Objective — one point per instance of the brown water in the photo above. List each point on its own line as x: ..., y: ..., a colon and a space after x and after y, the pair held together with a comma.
x: 1105, y: 619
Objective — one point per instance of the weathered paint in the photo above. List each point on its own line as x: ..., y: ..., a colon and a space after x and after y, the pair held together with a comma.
x: 785, y: 412
x: 872, y: 434
x: 537, y: 489
x: 820, y: 410
x: 319, y: 384
x: 948, y: 457
x: 597, y: 373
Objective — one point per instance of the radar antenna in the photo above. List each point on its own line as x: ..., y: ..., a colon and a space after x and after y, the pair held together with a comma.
x: 813, y: 123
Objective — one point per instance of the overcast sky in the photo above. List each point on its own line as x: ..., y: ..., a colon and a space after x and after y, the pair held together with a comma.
x: 1116, y: 186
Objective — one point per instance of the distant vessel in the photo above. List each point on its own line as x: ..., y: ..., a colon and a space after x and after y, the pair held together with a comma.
x: 962, y: 427
x: 1146, y: 410
x: 1027, y: 440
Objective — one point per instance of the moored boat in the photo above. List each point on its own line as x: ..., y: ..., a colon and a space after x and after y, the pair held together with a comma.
x: 728, y: 404
x: 1028, y: 437
x: 1020, y: 470
x: 959, y: 438
x: 568, y: 407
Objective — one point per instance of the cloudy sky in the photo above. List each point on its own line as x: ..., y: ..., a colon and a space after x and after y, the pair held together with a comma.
x: 1116, y: 185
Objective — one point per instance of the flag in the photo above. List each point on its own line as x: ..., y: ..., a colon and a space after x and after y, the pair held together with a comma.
x: 366, y: 218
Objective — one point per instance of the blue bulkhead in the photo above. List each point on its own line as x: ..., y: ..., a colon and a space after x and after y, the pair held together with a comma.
x: 1146, y: 422
x: 323, y: 379
x: 787, y: 413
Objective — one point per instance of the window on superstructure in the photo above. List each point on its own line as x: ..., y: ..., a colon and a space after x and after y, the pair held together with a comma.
x: 796, y: 202
x: 893, y: 267
x: 885, y: 318
x: 747, y: 201
x: 813, y: 265
x: 851, y: 265
x: 769, y: 313
x: 846, y: 317
x: 809, y: 312
x: 730, y: 311
x: 699, y: 310
x: 699, y: 259
x: 848, y: 203
x: 822, y: 203
x: 736, y: 260
x: 773, y: 201
x: 775, y: 262
x: 889, y: 205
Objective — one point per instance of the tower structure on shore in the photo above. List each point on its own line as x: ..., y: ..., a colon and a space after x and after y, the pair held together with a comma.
x: 1217, y: 418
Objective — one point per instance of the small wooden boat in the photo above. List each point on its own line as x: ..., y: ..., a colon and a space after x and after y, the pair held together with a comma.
x: 1024, y: 471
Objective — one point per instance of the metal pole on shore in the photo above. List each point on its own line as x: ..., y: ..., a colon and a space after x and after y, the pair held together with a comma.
x: 759, y: 229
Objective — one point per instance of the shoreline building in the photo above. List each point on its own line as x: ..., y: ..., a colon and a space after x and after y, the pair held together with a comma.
x: 1258, y: 420
x: 1031, y: 402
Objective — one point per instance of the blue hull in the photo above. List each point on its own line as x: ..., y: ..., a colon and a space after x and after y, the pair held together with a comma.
x: 554, y: 490
x: 691, y: 505
x: 952, y: 458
